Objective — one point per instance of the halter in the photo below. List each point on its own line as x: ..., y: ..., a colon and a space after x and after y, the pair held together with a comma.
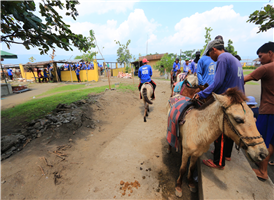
x: 242, y: 138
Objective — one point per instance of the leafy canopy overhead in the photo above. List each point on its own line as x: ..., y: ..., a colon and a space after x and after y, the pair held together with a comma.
x: 19, y: 25
x: 264, y: 18
x: 123, y: 53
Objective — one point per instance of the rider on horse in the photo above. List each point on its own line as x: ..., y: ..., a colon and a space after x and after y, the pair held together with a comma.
x: 186, y: 66
x: 145, y: 73
x: 176, y: 67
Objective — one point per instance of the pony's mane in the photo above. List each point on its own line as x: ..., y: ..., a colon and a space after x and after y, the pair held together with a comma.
x: 235, y: 95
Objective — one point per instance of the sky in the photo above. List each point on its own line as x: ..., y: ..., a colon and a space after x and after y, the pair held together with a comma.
x: 158, y: 26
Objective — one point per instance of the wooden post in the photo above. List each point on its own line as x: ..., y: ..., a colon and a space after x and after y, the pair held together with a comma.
x: 55, y: 69
x: 70, y: 74
x: 132, y: 73
x: 108, y: 80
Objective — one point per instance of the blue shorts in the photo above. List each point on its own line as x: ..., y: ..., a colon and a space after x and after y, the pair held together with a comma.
x: 265, y: 125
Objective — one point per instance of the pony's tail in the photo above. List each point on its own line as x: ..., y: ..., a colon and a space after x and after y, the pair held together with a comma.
x: 145, y: 96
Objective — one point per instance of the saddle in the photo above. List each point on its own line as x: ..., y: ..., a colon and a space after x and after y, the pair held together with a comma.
x: 176, y: 117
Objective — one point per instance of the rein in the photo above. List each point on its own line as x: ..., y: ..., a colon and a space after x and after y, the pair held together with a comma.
x: 242, y: 138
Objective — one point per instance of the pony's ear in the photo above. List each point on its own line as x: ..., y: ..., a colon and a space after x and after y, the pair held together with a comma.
x: 220, y: 98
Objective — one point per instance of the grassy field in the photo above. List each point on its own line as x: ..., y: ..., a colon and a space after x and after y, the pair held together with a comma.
x: 248, y: 72
x: 62, y: 89
x: 252, y: 83
x: 36, y: 108
x: 125, y: 87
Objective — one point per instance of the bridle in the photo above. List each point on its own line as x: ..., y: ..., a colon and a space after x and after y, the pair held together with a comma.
x: 242, y: 138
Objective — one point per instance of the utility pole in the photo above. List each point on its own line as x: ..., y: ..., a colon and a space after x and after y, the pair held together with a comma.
x: 180, y: 56
x: 147, y: 44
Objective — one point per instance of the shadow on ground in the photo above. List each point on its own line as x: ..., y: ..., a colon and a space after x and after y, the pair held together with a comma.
x: 167, y: 179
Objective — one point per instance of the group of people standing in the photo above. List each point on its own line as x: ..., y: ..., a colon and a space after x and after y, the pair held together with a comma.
x: 221, y: 70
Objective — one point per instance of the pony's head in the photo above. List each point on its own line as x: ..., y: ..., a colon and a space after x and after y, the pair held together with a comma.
x: 238, y: 123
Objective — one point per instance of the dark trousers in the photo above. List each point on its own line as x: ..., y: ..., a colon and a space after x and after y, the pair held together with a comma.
x: 11, y: 77
x: 45, y: 79
x: 223, y: 148
x: 78, y: 77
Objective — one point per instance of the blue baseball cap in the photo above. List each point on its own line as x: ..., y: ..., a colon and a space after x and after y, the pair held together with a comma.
x: 251, y: 101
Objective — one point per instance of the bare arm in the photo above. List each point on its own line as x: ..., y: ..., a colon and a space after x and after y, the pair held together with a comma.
x: 248, y: 78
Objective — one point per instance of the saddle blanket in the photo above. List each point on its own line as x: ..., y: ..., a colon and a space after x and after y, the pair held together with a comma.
x: 153, y: 95
x: 179, y: 86
x: 182, y: 76
x: 176, y: 111
x: 174, y: 99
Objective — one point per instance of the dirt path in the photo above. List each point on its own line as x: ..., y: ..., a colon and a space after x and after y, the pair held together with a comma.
x: 121, y: 148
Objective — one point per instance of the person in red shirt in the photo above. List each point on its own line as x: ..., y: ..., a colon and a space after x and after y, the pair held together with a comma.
x: 265, y: 121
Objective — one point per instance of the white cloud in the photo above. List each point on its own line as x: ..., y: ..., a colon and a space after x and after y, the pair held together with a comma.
x: 136, y: 28
x: 224, y: 21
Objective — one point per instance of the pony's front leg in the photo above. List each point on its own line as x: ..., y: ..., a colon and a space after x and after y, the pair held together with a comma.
x: 178, y: 189
x: 192, y: 165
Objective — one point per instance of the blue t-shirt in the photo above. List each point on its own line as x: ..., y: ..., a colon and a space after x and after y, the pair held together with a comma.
x: 186, y: 67
x: 145, y: 73
x: 206, y: 68
x: 10, y: 72
x: 77, y: 71
x: 193, y: 67
x: 45, y: 74
x: 229, y: 74
x: 176, y: 67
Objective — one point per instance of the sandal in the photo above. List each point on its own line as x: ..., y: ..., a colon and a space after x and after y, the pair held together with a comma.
x: 211, y: 164
x: 226, y: 158
x: 271, y: 163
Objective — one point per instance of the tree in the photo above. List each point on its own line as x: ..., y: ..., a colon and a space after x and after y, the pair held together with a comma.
x: 123, y: 53
x: 230, y: 48
x: 264, y: 18
x: 188, y: 54
x: 32, y: 59
x: 19, y: 25
x: 207, y: 38
x: 90, y: 55
x: 166, y: 62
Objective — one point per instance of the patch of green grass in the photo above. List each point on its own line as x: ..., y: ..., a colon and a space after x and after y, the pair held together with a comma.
x: 125, y: 87
x: 36, y: 108
x: 252, y: 83
x: 248, y: 72
x: 61, y: 89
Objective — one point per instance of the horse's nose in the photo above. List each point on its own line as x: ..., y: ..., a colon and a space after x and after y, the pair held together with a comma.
x: 263, y: 156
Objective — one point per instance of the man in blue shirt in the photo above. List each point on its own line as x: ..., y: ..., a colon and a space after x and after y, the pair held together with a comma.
x: 186, y: 66
x: 194, y: 63
x: 176, y: 66
x: 10, y: 74
x: 206, y: 70
x: 77, y: 71
x: 145, y: 73
x: 229, y: 74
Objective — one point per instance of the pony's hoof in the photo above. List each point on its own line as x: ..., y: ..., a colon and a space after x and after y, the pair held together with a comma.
x: 192, y: 188
x: 178, y: 192
x: 145, y: 119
